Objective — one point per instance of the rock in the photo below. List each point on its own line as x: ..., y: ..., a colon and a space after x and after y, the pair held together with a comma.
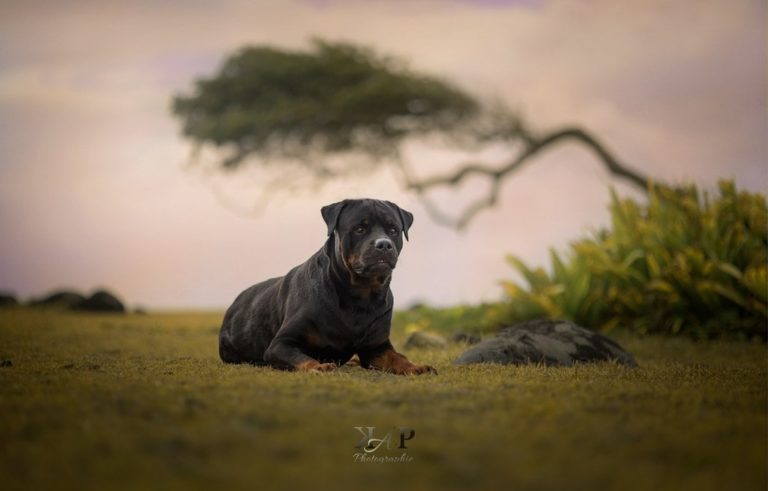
x: 554, y: 343
x: 8, y: 299
x: 422, y: 339
x: 63, y: 299
x: 101, y: 301
x: 463, y: 337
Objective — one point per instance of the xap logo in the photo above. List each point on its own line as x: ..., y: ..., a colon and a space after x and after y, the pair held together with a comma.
x: 395, y: 437
x: 369, y: 444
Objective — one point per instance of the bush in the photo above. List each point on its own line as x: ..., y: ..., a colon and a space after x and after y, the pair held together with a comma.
x: 682, y: 264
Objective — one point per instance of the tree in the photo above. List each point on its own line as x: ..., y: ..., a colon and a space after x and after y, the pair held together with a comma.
x: 340, y: 109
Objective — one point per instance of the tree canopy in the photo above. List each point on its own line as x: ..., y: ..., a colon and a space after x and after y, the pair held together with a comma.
x: 337, y: 97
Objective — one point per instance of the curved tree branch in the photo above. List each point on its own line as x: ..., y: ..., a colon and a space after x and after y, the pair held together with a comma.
x: 531, y: 147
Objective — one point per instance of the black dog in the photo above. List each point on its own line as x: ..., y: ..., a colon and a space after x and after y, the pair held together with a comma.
x: 335, y: 305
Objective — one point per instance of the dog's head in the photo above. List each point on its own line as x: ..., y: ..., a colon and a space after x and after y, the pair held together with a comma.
x: 366, y: 235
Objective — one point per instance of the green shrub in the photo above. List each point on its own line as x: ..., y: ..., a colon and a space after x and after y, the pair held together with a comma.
x: 682, y: 264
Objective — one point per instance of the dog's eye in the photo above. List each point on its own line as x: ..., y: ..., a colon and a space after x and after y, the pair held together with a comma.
x: 360, y: 230
x: 392, y: 231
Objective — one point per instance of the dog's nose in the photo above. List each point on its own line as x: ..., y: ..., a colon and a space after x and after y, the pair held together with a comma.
x: 383, y: 244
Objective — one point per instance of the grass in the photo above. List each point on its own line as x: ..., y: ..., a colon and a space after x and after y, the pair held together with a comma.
x: 142, y: 401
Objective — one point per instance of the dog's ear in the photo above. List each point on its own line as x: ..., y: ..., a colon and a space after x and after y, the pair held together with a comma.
x: 406, y: 218
x: 331, y: 215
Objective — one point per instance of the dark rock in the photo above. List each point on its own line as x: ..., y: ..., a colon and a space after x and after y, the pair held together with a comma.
x: 555, y: 343
x: 63, y: 299
x: 8, y: 299
x: 463, y: 337
x: 101, y: 301
x: 421, y: 339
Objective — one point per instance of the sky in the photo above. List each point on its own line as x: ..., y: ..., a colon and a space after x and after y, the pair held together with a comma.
x: 96, y: 187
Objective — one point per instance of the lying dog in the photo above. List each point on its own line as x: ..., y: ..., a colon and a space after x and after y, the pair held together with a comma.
x: 333, y: 306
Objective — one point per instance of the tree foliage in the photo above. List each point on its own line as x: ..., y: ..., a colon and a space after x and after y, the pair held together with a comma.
x: 299, y: 105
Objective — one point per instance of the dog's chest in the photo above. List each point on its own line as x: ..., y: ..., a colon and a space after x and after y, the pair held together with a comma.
x: 343, y: 332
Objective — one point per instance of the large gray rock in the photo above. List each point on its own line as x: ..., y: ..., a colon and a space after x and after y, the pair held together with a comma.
x: 558, y: 343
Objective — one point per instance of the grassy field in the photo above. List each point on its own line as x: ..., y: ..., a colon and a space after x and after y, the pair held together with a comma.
x: 122, y: 402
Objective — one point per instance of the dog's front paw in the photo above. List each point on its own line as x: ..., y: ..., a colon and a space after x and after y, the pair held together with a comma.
x: 419, y: 370
x: 324, y: 367
x: 316, y: 367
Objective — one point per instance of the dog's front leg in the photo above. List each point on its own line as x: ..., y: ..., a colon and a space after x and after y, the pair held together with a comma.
x: 284, y: 353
